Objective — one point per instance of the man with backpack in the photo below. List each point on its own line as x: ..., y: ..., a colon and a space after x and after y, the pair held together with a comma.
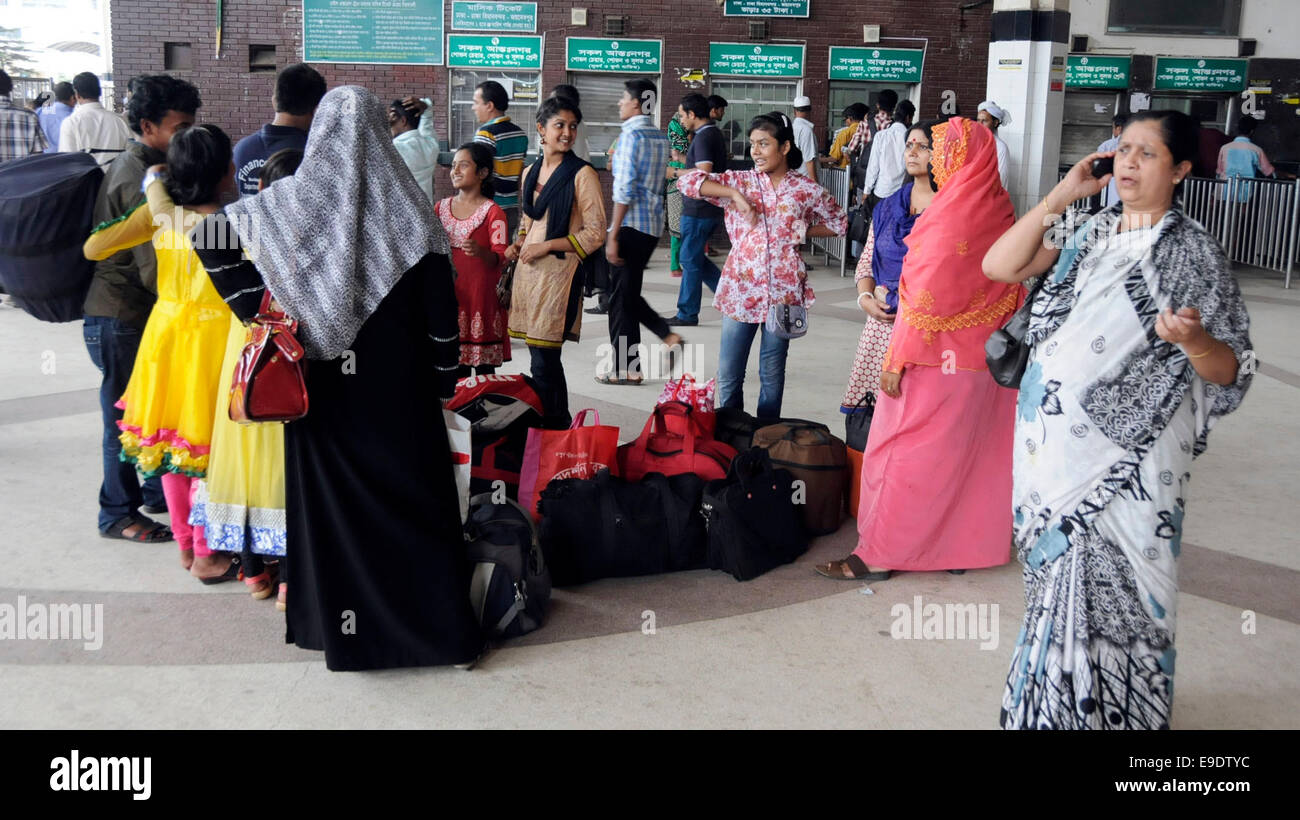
x: 122, y: 293
x: 298, y: 89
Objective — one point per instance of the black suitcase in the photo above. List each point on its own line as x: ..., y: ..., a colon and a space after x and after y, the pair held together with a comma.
x: 605, y: 527
x: 753, y: 523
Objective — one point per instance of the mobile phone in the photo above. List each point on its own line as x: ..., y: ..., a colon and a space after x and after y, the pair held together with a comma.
x: 1103, y: 166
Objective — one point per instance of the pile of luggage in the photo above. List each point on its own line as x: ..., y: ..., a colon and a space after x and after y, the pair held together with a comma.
x: 696, y: 489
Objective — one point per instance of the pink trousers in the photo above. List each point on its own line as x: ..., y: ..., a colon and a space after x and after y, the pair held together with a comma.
x: 179, y: 491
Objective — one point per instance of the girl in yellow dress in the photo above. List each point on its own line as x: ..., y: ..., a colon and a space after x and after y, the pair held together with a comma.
x: 240, y: 504
x: 172, y: 395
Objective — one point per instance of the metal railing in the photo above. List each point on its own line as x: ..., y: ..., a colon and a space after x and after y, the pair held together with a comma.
x: 837, y: 182
x: 1256, y: 220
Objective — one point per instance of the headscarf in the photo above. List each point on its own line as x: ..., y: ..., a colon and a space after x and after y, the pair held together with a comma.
x: 947, y: 306
x: 1003, y: 116
x: 332, y: 240
x: 891, y: 222
x: 556, y: 197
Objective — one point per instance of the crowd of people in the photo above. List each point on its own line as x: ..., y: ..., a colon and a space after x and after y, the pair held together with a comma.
x: 1136, y: 333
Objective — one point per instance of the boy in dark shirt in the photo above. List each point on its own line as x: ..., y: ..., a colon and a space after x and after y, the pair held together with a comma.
x: 298, y: 90
x: 708, y: 153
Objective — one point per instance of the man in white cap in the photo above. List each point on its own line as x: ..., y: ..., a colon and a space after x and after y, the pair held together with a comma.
x: 804, y: 139
x: 992, y: 116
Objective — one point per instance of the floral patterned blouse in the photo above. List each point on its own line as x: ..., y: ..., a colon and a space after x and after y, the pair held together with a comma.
x: 764, y: 266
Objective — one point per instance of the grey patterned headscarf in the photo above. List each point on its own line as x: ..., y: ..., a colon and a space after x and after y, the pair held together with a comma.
x: 332, y: 240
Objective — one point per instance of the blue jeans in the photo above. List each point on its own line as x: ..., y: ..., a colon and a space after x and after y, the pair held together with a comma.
x: 737, y: 339
x: 112, y: 346
x: 697, y: 268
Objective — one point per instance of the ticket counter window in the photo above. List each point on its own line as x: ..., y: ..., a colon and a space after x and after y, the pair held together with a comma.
x: 746, y: 100
x: 600, y: 94
x: 522, y: 87
x: 844, y: 93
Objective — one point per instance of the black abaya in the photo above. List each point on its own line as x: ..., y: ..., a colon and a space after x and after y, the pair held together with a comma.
x: 376, y: 572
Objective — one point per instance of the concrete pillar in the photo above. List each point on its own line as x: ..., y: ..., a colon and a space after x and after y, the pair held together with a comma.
x: 1029, y: 40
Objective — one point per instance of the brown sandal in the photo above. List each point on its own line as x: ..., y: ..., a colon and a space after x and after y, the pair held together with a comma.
x: 853, y: 564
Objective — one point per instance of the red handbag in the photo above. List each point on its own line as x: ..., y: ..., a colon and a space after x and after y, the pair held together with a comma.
x: 672, y: 444
x: 268, y: 383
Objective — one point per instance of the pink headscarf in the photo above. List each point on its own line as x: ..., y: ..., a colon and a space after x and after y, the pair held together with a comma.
x: 947, y: 308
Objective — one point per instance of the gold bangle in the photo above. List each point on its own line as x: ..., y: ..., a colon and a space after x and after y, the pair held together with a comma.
x: 1208, y: 351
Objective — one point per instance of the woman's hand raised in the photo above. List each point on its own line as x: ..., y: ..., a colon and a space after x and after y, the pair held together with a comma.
x: 1078, y: 183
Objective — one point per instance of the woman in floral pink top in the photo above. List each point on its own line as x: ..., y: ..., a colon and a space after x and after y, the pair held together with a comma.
x: 769, y: 211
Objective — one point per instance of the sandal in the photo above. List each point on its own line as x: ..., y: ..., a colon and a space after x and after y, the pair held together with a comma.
x: 262, y: 586
x: 610, y: 378
x: 282, y: 598
x: 233, y: 573
x: 147, y: 531
x: 854, y: 564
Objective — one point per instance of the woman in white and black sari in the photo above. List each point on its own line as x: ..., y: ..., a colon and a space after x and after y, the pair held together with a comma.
x: 1139, y: 344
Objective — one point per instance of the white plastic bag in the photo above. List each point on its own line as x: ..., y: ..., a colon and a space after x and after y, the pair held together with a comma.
x: 458, y: 436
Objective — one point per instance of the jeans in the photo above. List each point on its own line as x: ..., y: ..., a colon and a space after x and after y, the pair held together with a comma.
x: 697, y: 268
x: 112, y: 346
x: 628, y: 309
x: 547, y: 371
x: 737, y: 339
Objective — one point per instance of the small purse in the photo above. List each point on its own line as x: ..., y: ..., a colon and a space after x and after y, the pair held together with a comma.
x: 787, y: 321
x: 505, y: 284
x: 268, y: 383
x: 1005, y: 351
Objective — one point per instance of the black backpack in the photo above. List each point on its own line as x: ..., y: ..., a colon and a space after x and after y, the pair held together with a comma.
x: 605, y: 527
x: 510, y: 586
x: 753, y: 523
x: 47, y: 204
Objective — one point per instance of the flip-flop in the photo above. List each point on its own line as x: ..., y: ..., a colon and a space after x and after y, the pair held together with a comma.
x: 150, y: 532
x: 835, y: 570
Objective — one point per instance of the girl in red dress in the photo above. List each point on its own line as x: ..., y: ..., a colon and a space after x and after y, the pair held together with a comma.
x: 477, y: 228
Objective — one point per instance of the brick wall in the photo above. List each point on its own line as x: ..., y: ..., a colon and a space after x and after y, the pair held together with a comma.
x: 240, y: 101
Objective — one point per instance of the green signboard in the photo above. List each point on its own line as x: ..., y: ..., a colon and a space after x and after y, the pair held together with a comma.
x: 494, y: 16
x: 372, y: 31
x: 632, y: 56
x: 1200, y: 74
x: 750, y: 60
x: 766, y: 8
x: 1097, y: 71
x: 879, y: 65
x: 494, y: 51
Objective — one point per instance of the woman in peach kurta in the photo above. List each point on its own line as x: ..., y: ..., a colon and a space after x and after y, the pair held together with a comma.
x: 562, y: 222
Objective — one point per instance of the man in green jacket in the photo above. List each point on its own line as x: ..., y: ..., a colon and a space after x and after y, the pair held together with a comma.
x: 123, y: 291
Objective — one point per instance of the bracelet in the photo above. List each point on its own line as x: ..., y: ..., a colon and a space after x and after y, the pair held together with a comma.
x: 1207, y: 352
x: 865, y: 293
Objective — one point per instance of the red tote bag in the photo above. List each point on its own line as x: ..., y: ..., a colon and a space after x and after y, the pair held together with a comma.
x: 579, y: 452
x: 671, y: 444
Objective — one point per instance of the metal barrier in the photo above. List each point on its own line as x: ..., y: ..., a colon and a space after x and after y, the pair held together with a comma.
x: 1256, y: 220
x: 837, y: 182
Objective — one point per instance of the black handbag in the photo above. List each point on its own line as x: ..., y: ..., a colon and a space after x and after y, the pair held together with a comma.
x: 1005, y: 351
x: 857, y: 424
x: 859, y: 225
x: 605, y: 527
x: 753, y: 522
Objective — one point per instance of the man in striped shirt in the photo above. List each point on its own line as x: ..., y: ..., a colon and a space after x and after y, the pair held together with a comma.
x: 508, y: 142
x: 640, y: 166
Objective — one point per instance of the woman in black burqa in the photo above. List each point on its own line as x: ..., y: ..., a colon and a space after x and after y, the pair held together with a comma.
x: 350, y: 247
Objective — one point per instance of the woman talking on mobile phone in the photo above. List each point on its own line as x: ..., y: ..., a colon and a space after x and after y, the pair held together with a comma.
x: 1136, y: 339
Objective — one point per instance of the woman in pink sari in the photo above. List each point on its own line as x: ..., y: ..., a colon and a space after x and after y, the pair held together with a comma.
x: 936, y: 474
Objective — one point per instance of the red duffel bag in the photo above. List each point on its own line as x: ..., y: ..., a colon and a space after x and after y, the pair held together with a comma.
x: 671, y: 443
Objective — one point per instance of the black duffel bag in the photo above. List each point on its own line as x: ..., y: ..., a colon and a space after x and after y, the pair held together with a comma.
x: 605, y: 527
x: 753, y: 522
